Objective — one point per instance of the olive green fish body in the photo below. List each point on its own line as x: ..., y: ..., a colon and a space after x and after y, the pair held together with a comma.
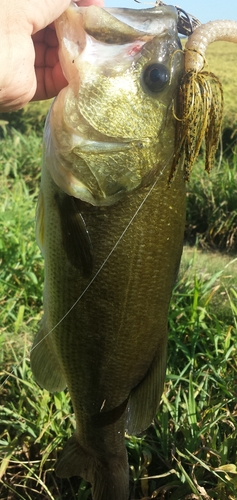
x: 110, y: 350
x: 111, y: 231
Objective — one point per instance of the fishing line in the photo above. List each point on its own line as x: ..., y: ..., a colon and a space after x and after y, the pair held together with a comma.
x: 100, y: 268
x: 105, y: 261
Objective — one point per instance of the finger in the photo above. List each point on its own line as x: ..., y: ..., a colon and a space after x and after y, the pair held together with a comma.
x: 40, y: 13
x: 49, y: 82
x: 47, y: 36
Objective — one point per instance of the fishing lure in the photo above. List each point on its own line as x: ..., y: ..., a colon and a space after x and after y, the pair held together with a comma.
x: 200, y: 101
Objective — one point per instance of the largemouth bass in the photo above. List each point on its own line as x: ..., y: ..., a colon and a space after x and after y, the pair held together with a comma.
x: 111, y: 232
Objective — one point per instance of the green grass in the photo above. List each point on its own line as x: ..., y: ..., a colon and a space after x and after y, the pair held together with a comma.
x: 21, y: 274
x: 29, y: 119
x: 218, y: 269
x: 212, y: 206
x: 221, y: 60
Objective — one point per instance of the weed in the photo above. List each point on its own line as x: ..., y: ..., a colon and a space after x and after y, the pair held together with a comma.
x: 211, y: 206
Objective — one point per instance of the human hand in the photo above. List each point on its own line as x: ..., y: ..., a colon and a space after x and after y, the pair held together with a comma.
x: 30, y: 68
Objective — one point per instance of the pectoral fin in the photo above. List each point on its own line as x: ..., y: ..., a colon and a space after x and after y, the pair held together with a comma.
x: 145, y: 398
x: 44, y: 362
x: 75, y: 236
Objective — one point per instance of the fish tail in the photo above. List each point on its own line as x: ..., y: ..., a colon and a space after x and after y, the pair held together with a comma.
x: 111, y: 482
x: 109, y: 476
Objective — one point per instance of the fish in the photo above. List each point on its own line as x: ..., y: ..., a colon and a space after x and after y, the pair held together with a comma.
x: 110, y: 226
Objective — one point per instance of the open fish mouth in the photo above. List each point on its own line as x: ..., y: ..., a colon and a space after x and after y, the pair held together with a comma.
x: 123, y: 67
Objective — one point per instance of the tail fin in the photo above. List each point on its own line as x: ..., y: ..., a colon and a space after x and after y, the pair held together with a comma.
x: 109, y: 476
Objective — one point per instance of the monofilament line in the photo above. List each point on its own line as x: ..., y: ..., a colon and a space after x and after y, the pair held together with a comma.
x: 102, y: 265
x: 105, y: 261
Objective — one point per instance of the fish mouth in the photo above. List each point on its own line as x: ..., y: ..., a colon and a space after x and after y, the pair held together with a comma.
x: 122, y: 32
x: 105, y: 133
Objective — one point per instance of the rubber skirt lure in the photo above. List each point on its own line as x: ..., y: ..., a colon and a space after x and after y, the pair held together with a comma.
x: 200, y: 103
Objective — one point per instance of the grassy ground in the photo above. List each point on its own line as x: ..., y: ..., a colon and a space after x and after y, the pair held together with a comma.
x: 190, y: 452
x: 211, y: 206
x: 221, y: 60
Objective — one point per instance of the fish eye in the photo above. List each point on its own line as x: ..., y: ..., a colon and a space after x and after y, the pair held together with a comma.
x: 155, y: 77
